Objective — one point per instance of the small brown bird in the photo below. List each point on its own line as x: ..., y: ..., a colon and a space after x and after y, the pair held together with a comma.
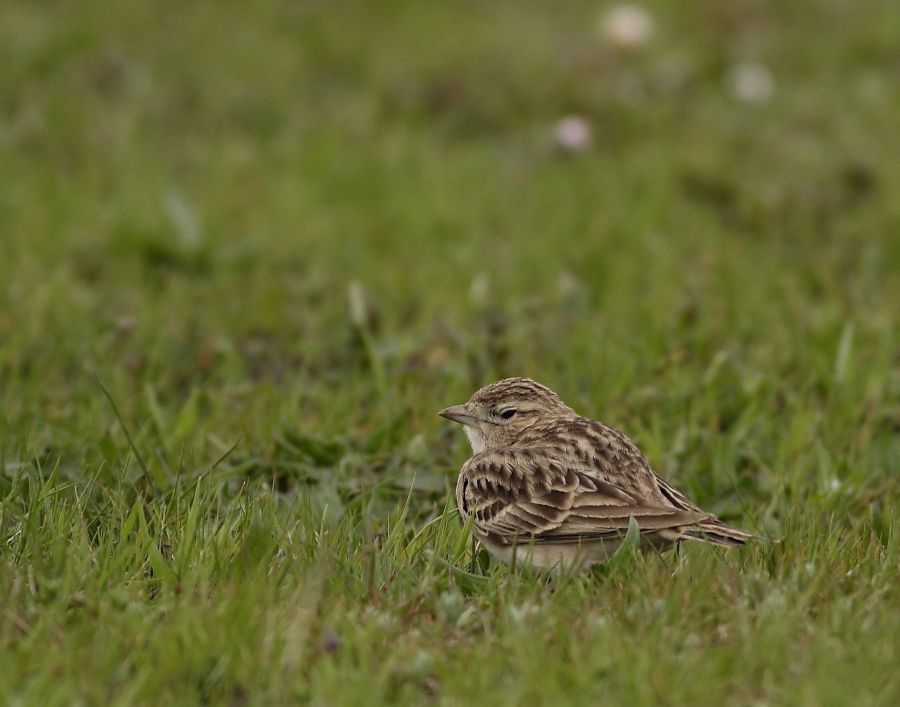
x: 558, y: 489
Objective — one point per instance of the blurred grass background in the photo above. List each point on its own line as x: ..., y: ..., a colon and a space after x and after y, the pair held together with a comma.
x: 300, y: 228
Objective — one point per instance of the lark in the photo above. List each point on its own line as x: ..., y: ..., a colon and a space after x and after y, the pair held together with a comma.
x: 549, y: 488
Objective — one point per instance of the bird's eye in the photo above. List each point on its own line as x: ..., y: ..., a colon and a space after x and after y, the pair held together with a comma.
x: 507, y: 414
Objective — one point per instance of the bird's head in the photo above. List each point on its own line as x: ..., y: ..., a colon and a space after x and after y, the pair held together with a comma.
x: 497, y: 414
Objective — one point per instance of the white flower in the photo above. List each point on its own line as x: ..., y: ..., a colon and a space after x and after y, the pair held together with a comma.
x: 626, y: 26
x: 751, y: 82
x: 572, y: 134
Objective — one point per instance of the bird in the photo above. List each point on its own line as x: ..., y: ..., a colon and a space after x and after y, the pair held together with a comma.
x: 548, y: 488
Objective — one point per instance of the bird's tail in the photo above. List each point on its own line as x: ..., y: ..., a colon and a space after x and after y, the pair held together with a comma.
x: 716, y: 532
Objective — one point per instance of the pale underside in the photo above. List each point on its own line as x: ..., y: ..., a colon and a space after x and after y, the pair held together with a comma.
x: 553, y: 556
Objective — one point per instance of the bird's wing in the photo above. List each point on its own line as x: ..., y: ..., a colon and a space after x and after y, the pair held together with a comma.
x: 533, y: 493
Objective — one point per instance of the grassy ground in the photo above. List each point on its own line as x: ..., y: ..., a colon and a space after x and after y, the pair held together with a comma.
x: 284, y: 234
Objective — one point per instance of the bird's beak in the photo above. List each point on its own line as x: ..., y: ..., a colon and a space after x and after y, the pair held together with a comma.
x: 460, y: 414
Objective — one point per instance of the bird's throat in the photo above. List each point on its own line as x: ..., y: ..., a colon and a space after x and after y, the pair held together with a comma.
x: 476, y: 439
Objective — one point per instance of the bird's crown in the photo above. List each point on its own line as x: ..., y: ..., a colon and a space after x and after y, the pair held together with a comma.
x: 513, y: 390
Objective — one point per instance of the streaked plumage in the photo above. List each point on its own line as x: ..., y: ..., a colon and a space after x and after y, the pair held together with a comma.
x: 557, y: 488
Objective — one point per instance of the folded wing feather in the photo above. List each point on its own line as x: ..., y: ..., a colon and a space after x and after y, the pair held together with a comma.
x: 530, y: 493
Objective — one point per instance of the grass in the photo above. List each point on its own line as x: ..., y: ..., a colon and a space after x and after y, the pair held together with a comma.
x: 278, y: 237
